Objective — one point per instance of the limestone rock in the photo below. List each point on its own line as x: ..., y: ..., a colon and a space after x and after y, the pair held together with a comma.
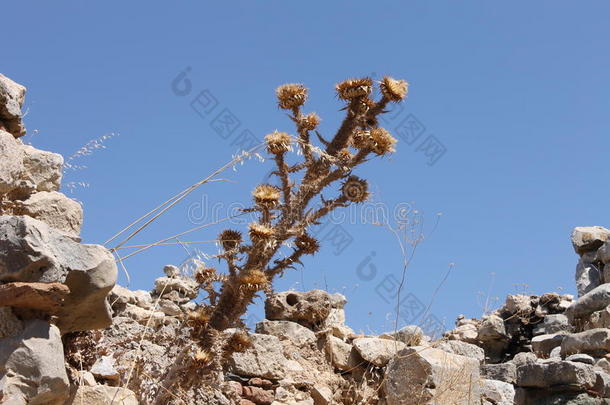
x: 183, y: 286
x: 492, y: 328
x: 54, y: 209
x: 506, y: 372
x: 595, y: 300
x: 339, y: 353
x: 588, y: 275
x: 592, y: 341
x: 12, y: 96
x: 552, y: 323
x: 263, y: 359
x: 42, y: 169
x: 102, y: 395
x: 588, y: 238
x: 553, y: 373
x: 286, y: 330
x: 543, y: 344
x: 10, y: 325
x: 32, y: 251
x: 144, y: 316
x: 32, y: 365
x: 11, y: 162
x: 497, y: 392
x: 463, y: 349
x: 309, y: 308
x: 377, y: 351
x: 410, y: 335
x: 421, y: 375
x: 581, y: 358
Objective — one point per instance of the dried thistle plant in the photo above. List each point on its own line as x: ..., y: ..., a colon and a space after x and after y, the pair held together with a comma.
x: 286, y: 213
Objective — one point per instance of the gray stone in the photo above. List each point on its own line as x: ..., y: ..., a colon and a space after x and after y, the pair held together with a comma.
x: 554, y: 373
x: 339, y: 353
x: 492, y: 328
x: 411, y: 335
x: 462, y: 348
x: 377, y: 351
x: 555, y: 353
x: 421, y: 375
x: 103, y: 368
x: 552, y: 323
x: 588, y: 238
x: 188, y: 288
x: 524, y: 358
x: 542, y: 345
x: 592, y: 341
x: 497, y: 392
x: 10, y: 325
x: 11, y: 162
x: 263, y: 359
x: 169, y: 308
x: 310, y: 308
x: 102, y: 395
x: 171, y: 271
x: 595, y: 300
x: 599, y: 319
x: 54, y: 209
x: 581, y: 358
x: 602, y: 383
x: 12, y: 96
x: 32, y: 366
x: 588, y: 275
x: 506, y: 372
x: 32, y: 251
x: 517, y: 304
x: 286, y: 330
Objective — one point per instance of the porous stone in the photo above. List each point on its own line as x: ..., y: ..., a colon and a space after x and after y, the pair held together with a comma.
x: 377, y: 351
x: 32, y: 366
x: 31, y: 251
x: 263, y: 359
x: 286, y: 330
x: 309, y: 308
x: 492, y: 328
x: 420, y: 375
x: 10, y: 325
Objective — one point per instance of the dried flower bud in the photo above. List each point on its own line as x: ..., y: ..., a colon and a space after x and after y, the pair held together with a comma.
x: 238, y: 342
x: 382, y: 141
x: 230, y: 239
x: 344, y: 155
x: 202, y: 357
x: 266, y: 195
x: 205, y: 274
x: 261, y: 232
x: 353, y: 88
x: 310, y: 121
x: 291, y: 95
x: 307, y: 244
x: 278, y: 142
x: 363, y: 105
x: 253, y: 278
x: 392, y: 89
x: 355, y: 189
x: 361, y: 139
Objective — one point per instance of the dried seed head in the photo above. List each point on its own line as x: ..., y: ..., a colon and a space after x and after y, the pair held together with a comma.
x: 344, y: 155
x: 353, y: 88
x: 382, y: 142
x: 291, y: 95
x: 205, y: 274
x: 355, y: 189
x: 261, y: 232
x: 202, y: 357
x: 266, y: 195
x: 238, y: 342
x: 364, y: 105
x: 310, y: 121
x: 392, y: 89
x: 198, y: 317
x: 253, y: 279
x: 307, y: 244
x: 361, y: 139
x: 230, y: 239
x: 278, y: 142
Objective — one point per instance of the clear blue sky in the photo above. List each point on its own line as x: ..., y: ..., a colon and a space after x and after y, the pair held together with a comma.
x: 518, y: 93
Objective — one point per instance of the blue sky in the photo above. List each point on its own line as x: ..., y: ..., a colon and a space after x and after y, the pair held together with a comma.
x: 516, y: 93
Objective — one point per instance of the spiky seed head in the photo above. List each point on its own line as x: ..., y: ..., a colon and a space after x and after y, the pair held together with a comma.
x: 238, y: 342
x: 202, y: 357
x: 363, y: 105
x: 361, y: 139
x: 205, y: 274
x: 291, y: 95
x: 382, y: 142
x: 278, y: 142
x: 310, y: 121
x: 261, y: 232
x: 344, y: 155
x: 230, y: 239
x: 353, y: 88
x: 355, y: 189
x: 266, y: 195
x: 253, y: 278
x: 392, y: 89
x: 198, y: 317
x: 307, y: 244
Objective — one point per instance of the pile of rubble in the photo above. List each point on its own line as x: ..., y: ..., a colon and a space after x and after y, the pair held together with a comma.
x: 69, y: 335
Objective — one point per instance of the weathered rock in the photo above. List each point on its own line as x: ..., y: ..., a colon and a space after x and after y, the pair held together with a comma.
x: 169, y: 308
x: 410, y: 335
x: 588, y: 238
x: 420, y: 375
x: 497, y: 392
x: 310, y: 308
x: 377, y: 351
x: 286, y: 330
x: 45, y: 297
x: 11, y: 162
x: 339, y: 353
x: 602, y: 383
x: 258, y: 395
x: 543, y: 344
x: 32, y: 251
x: 524, y: 358
x: 506, y: 372
x: 492, y: 328
x: 10, y: 325
x: 102, y: 395
x: 552, y: 323
x: 42, y: 169
x: 164, y: 286
x: 581, y: 358
x: 54, y: 209
x: 592, y: 341
x: 85, y: 378
x: 595, y: 300
x: 263, y: 359
x: 32, y: 366
x: 143, y: 316
x: 553, y: 373
x: 322, y: 395
x: 588, y: 275
x: 12, y: 96
x: 517, y: 304
x: 466, y: 330
x: 555, y: 353
x: 599, y: 319
x: 104, y: 369
x: 462, y: 348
